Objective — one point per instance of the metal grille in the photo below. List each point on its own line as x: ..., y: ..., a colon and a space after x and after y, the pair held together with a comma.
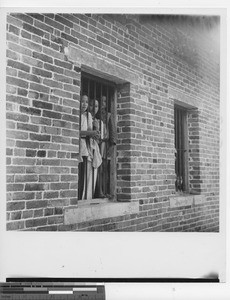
x: 103, y: 91
x: 180, y: 118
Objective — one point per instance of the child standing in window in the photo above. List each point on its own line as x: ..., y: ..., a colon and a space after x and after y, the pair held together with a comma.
x: 90, y: 159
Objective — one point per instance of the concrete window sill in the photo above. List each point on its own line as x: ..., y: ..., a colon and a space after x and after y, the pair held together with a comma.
x: 95, y: 210
x: 185, y: 200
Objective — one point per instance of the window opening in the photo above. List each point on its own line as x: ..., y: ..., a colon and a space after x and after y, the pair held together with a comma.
x: 97, y: 139
x: 181, y: 149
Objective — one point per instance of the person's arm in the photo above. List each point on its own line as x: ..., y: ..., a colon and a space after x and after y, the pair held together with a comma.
x: 89, y: 133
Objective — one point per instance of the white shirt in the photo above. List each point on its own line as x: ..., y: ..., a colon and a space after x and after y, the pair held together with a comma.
x: 86, y: 124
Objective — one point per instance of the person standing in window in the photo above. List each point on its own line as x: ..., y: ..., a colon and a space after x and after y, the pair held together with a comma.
x: 108, y: 136
x: 97, y: 159
x: 87, y: 152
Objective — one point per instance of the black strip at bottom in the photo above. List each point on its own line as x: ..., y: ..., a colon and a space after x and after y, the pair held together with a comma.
x: 208, y: 279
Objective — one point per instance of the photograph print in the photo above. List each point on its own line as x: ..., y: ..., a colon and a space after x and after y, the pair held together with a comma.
x: 112, y: 122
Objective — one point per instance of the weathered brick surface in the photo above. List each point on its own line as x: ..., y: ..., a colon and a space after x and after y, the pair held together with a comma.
x: 43, y: 92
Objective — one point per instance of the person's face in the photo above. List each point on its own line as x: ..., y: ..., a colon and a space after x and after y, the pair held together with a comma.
x: 103, y: 102
x: 94, y: 109
x: 84, y: 103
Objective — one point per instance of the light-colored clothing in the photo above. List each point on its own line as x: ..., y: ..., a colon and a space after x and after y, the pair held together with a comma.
x: 89, y: 148
x: 86, y: 124
x: 91, y: 181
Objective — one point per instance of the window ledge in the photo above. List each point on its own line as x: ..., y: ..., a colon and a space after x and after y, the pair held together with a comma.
x: 186, y: 200
x: 94, y: 211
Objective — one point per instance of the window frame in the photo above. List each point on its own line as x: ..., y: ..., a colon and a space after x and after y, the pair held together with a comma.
x: 113, y: 111
x: 184, y: 140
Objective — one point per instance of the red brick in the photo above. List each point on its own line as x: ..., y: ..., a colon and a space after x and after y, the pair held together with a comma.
x: 51, y: 162
x: 41, y: 72
x: 33, y: 29
x: 16, y: 225
x: 39, y: 137
x: 53, y: 68
x: 25, y: 34
x: 60, y: 139
x: 12, y: 38
x: 14, y: 29
x: 55, y: 219
x: 24, y: 161
x: 34, y: 187
x: 11, y: 89
x: 38, y: 213
x: 40, y: 120
x: 64, y: 21
x: 54, y: 24
x: 63, y: 64
x: 49, y: 114
x: 22, y: 92
x: 59, y: 170
x: 41, y: 153
x: 31, y: 45
x: 23, y: 196
x: 15, y: 205
x: 16, y: 215
x: 26, y: 178
x: 37, y: 169
x: 23, y: 17
x: 69, y: 178
x: 36, y: 222
x: 52, y: 83
x: 18, y: 82
x: 39, y: 87
x: 27, y: 127
x: 43, y: 57
x: 13, y: 20
x: 25, y: 144
x: 68, y: 193
x: 14, y: 134
x: 19, y: 49
x: 51, y: 194
x: 37, y: 16
x: 43, y: 26
x: 14, y: 187
x: 48, y: 178
x: 30, y: 110
x: 48, y: 211
x: 61, y: 124
x: 59, y: 186
x: 32, y: 61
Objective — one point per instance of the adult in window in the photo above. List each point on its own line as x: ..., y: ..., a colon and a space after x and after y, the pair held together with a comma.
x: 97, y: 125
x: 90, y: 158
x: 108, y: 136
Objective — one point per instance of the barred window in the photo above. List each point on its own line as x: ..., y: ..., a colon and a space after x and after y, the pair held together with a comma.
x: 97, y: 170
x: 181, y: 148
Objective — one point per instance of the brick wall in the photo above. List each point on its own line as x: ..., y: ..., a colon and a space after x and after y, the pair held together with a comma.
x: 42, y: 109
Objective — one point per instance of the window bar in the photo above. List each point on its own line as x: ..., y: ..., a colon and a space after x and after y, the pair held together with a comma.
x: 176, y: 154
x: 100, y: 169
x: 79, y: 176
x: 100, y: 104
x: 177, y: 147
x: 86, y: 175
x: 106, y: 144
x: 179, y: 120
x: 182, y: 150
x: 94, y: 98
